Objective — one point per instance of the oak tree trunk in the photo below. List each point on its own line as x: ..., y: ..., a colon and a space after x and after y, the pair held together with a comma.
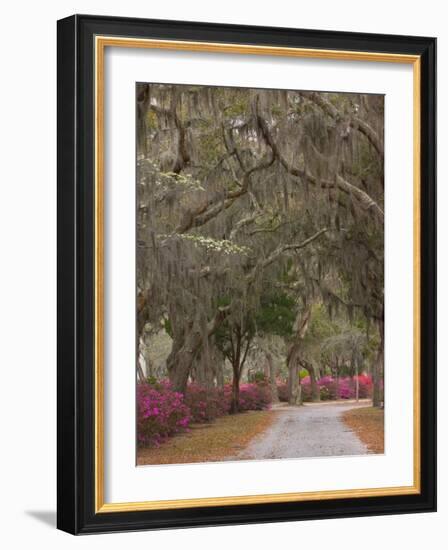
x: 300, y: 328
x: 294, y: 385
x: 180, y: 360
x: 235, y: 403
x: 272, y: 378
x: 315, y: 390
x: 377, y: 371
x: 186, y: 344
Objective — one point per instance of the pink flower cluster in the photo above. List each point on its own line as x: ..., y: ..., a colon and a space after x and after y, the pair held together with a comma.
x: 206, y: 404
x: 344, y: 388
x: 161, y: 413
x: 331, y: 388
x: 253, y: 397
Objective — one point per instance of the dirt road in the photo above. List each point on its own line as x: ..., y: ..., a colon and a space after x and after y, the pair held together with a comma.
x: 310, y: 431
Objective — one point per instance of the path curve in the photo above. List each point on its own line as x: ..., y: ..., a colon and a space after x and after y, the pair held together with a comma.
x: 312, y: 430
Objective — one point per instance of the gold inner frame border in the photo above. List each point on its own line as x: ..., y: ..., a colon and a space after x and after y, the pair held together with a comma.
x: 100, y: 44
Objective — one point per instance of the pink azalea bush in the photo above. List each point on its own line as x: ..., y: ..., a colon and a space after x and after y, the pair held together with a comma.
x: 254, y: 397
x: 365, y: 386
x: 345, y: 388
x: 161, y: 412
x: 331, y: 389
x: 206, y: 404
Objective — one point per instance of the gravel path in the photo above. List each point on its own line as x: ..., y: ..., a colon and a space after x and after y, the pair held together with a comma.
x: 310, y: 431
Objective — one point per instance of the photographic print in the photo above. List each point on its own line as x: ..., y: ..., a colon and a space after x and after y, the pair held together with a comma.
x: 246, y: 274
x: 260, y: 274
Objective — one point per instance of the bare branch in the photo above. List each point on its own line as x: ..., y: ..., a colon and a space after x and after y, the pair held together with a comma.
x: 287, y: 247
x: 209, y: 210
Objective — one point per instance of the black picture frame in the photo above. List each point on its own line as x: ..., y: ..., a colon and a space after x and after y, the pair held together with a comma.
x: 76, y: 255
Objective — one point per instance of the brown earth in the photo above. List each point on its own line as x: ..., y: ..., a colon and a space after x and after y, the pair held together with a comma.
x: 368, y: 425
x: 216, y: 441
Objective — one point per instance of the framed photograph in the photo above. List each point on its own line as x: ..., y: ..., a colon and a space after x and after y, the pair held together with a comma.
x: 246, y: 274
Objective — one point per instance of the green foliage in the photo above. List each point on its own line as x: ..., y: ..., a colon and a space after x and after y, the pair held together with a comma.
x: 321, y: 325
x: 276, y: 314
x: 237, y: 109
x: 259, y: 377
x: 151, y: 120
x: 210, y: 144
x: 168, y: 327
x: 223, y: 301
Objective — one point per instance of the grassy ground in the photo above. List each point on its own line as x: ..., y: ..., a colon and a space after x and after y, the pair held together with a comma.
x: 368, y: 425
x: 222, y: 439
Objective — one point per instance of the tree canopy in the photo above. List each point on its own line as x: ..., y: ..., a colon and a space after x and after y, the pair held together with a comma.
x: 256, y: 209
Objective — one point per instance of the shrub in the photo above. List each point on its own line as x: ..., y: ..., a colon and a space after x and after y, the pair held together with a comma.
x: 330, y: 389
x: 206, y: 404
x: 325, y: 393
x: 254, y: 397
x: 259, y: 377
x: 306, y: 389
x: 365, y: 386
x: 346, y: 387
x: 161, y: 412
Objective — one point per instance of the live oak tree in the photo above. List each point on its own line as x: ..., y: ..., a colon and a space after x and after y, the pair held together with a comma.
x: 271, y: 316
x: 245, y: 193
